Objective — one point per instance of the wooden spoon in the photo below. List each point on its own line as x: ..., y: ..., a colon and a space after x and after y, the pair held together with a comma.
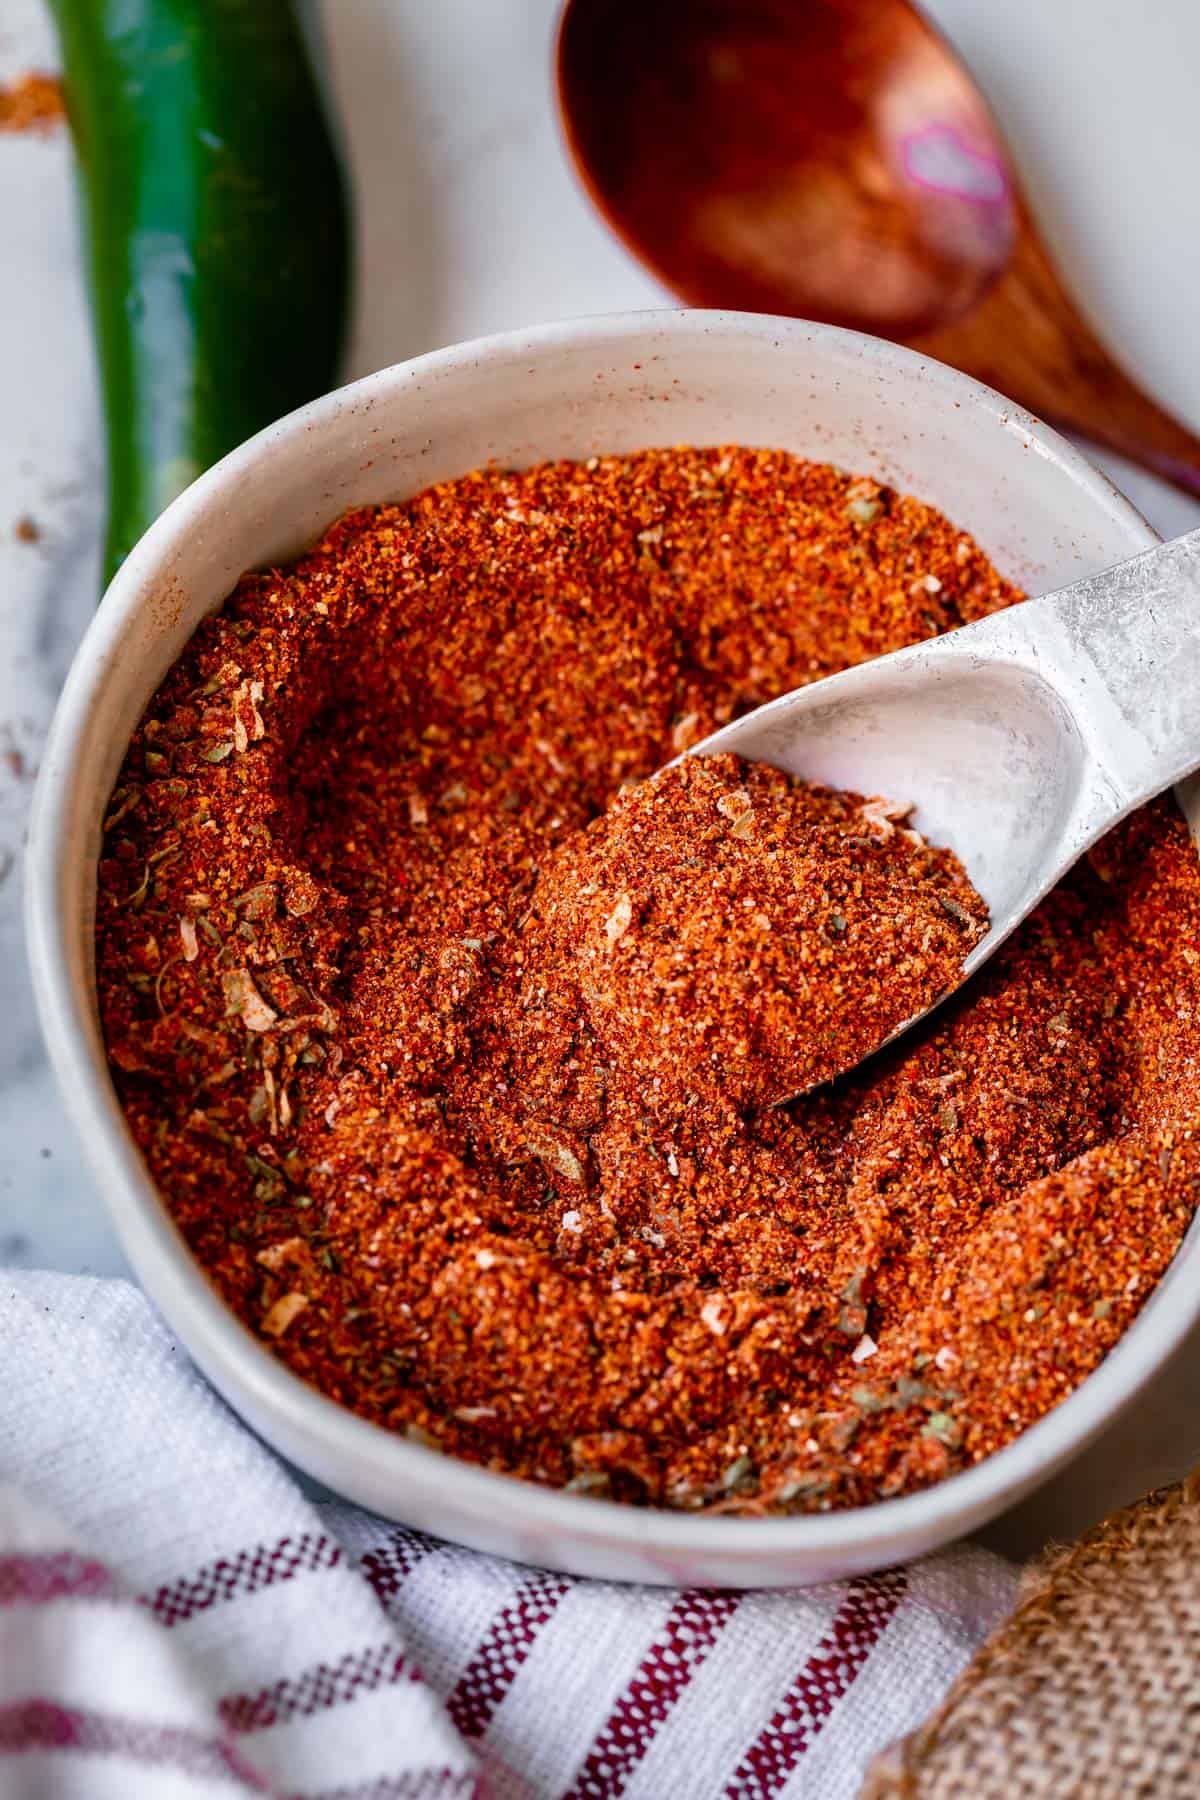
x: 833, y: 159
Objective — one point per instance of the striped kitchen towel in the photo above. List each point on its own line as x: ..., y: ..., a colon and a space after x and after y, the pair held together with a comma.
x: 177, y: 1619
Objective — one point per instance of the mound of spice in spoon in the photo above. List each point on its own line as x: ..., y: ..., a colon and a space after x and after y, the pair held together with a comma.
x: 742, y: 936
x: 401, y: 1077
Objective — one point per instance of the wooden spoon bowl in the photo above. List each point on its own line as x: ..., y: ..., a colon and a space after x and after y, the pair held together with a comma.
x: 832, y: 159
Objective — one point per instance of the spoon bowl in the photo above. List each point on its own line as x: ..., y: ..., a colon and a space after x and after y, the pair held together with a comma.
x: 1018, y: 740
x: 829, y: 159
x: 833, y: 159
x: 984, y: 751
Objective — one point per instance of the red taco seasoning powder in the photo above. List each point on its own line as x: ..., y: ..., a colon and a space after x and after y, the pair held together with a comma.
x: 382, y: 982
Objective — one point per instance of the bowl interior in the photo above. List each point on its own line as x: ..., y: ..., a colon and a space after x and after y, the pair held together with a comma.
x: 1041, y: 512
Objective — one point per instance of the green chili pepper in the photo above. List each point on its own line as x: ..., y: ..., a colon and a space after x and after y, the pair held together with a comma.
x: 216, y: 234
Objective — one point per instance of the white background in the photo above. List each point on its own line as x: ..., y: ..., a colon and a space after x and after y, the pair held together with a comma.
x: 470, y: 221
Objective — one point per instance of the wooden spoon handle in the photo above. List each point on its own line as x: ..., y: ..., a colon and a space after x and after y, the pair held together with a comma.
x: 1027, y: 338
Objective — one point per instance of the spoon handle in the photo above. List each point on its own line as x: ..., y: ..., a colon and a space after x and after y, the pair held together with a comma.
x: 1027, y: 337
x: 1123, y: 648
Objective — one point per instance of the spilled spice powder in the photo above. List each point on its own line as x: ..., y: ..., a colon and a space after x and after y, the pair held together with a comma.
x: 32, y: 103
x: 386, y: 940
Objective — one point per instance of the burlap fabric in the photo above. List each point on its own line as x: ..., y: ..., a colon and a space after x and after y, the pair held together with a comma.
x: 1091, y: 1688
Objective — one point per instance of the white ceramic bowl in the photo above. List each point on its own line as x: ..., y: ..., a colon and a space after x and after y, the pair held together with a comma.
x: 608, y: 384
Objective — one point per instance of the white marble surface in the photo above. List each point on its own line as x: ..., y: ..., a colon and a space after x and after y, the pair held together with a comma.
x: 470, y: 221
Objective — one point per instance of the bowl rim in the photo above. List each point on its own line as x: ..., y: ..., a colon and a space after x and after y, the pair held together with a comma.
x: 225, y: 1348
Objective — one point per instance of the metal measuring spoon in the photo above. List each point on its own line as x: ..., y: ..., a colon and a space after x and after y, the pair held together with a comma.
x: 1019, y: 739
